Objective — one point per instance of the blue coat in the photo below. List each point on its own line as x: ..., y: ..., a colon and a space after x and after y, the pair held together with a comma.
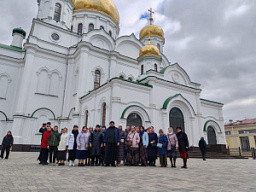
x: 163, y: 139
x: 117, y: 136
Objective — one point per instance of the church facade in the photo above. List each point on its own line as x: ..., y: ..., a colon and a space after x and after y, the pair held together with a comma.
x: 74, y: 68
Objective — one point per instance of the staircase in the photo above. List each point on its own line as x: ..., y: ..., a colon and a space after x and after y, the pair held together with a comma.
x: 213, y: 152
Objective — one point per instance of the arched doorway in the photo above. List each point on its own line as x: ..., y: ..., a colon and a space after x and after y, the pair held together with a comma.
x: 211, y: 135
x: 176, y: 119
x: 134, y: 119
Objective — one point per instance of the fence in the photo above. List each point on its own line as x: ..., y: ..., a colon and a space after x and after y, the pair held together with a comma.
x: 239, y: 152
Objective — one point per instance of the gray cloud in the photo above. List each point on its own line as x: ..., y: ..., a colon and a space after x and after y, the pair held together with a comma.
x: 213, y: 40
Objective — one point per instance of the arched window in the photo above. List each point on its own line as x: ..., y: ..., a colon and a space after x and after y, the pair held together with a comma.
x: 72, y: 28
x: 121, y: 77
x: 91, y: 27
x: 129, y: 79
x: 86, y: 117
x: 104, y: 110
x: 176, y: 119
x: 155, y: 67
x: 134, y: 119
x: 97, y: 79
x: 101, y: 27
x: 158, y: 46
x: 142, y: 69
x: 110, y: 33
x: 57, y: 12
x: 80, y: 29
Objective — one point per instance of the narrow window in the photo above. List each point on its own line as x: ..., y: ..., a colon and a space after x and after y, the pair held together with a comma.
x: 72, y: 28
x: 97, y: 79
x: 101, y: 27
x: 57, y: 12
x: 103, y: 120
x: 80, y: 29
x: 86, y: 118
x: 91, y: 27
x: 155, y: 67
x: 142, y: 69
x: 158, y: 46
x: 110, y: 33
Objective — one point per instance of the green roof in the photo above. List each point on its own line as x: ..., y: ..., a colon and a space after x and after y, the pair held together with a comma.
x: 20, y: 31
x: 212, y: 101
x: 13, y: 48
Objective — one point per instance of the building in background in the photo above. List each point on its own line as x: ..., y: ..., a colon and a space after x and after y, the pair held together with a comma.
x: 241, y: 134
x: 74, y: 68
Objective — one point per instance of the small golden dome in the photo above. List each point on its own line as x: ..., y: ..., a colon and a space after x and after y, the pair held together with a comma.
x: 154, y: 31
x: 149, y: 50
x: 106, y: 7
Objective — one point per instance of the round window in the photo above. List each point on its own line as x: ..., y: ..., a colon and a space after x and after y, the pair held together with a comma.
x: 55, y: 36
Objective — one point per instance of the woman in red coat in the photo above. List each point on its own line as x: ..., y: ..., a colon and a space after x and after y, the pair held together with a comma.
x: 44, y: 147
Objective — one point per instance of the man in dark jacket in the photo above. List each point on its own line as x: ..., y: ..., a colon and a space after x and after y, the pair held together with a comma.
x: 183, y: 145
x: 6, y: 145
x: 202, y: 145
x: 43, y: 129
x: 96, y: 143
x: 111, y: 141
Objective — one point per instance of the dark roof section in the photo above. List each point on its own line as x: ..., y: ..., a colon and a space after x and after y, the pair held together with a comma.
x: 20, y: 31
x: 242, y: 123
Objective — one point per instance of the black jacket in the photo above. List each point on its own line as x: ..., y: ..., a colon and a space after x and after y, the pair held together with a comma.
x: 202, y: 145
x: 7, y: 141
x: 183, y: 141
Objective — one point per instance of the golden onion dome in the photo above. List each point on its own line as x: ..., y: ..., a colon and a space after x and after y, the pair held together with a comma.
x: 154, y: 31
x: 149, y: 50
x: 106, y: 7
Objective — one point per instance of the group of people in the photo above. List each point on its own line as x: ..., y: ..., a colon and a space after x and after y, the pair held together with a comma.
x: 112, y: 146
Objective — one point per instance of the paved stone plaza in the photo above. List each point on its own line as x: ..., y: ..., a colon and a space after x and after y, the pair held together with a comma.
x: 22, y: 173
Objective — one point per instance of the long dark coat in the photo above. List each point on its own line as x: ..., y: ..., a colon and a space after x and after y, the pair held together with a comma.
x: 183, y: 141
x: 202, y: 145
x: 96, y: 141
x: 120, y: 149
x: 152, y: 150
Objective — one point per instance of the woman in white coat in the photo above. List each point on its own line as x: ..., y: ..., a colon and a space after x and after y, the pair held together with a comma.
x: 62, y: 150
x: 72, y: 145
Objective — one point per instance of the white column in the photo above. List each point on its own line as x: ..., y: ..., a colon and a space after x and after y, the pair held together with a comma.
x: 82, y: 88
x: 112, y: 67
x: 25, y: 82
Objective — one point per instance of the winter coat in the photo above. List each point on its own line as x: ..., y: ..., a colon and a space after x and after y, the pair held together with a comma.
x: 82, y: 140
x: 172, y: 140
x: 44, y: 141
x: 7, y: 141
x: 202, y: 145
x: 183, y: 141
x: 54, y: 139
x: 135, y: 139
x: 162, y: 139
x: 63, y: 141
x: 117, y: 136
x: 152, y: 149
x: 96, y: 140
x: 71, y: 141
x: 145, y: 139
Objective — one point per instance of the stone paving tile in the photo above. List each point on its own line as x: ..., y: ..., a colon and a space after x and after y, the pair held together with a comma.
x: 22, y: 173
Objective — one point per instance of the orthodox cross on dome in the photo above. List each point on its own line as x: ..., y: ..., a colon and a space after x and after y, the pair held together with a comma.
x: 151, y: 15
x: 149, y: 38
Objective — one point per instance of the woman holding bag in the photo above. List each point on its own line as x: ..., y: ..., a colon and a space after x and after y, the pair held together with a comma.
x: 133, y: 157
x: 172, y: 147
x: 162, y: 148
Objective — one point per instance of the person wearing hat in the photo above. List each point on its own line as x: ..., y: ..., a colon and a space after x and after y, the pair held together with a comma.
x: 43, y: 129
x: 111, y: 141
x: 71, y: 145
x: 202, y: 145
x: 183, y: 145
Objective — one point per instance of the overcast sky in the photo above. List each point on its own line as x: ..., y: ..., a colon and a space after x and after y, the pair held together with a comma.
x: 213, y: 40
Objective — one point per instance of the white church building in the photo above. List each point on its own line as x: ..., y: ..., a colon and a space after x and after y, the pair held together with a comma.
x: 74, y: 68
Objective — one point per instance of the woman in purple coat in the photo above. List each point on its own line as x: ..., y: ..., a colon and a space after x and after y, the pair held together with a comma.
x: 82, y: 141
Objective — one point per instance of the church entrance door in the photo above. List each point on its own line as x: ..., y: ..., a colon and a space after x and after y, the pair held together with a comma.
x: 176, y: 119
x: 211, y: 135
x: 134, y: 119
